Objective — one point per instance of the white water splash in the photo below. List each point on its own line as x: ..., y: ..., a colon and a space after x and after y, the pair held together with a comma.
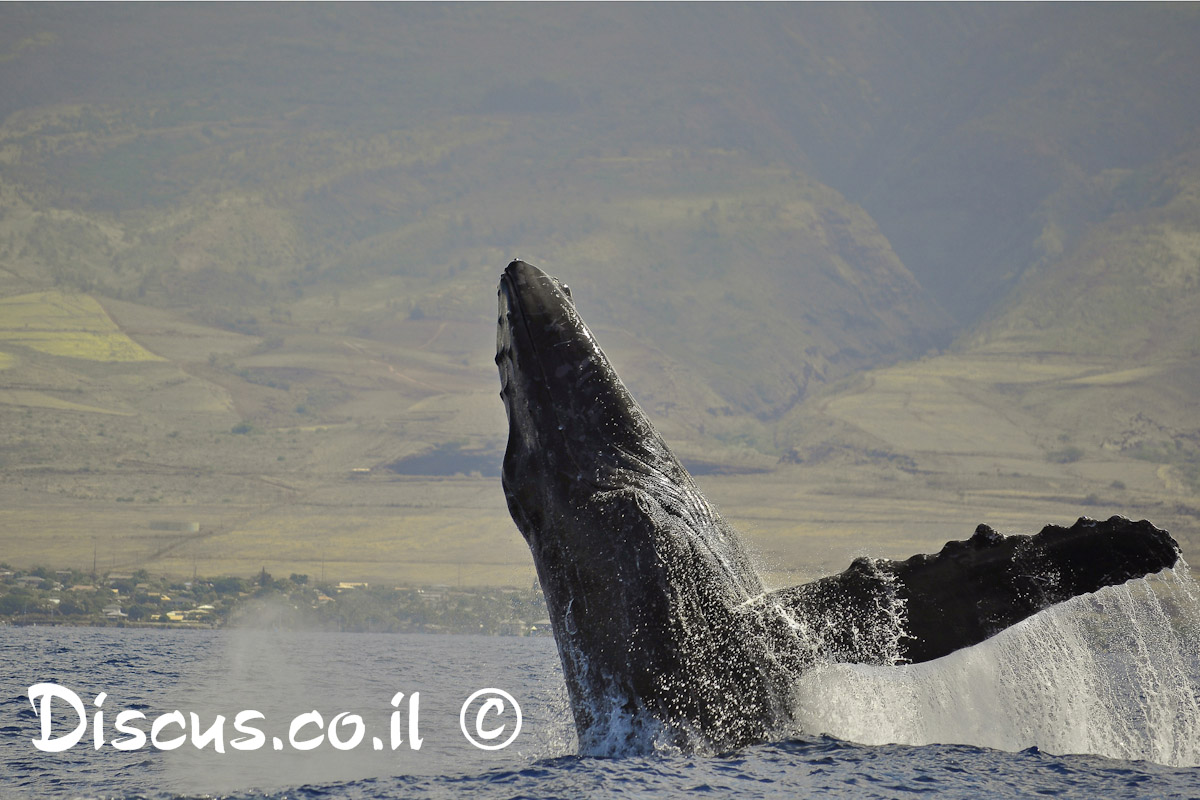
x: 1115, y: 673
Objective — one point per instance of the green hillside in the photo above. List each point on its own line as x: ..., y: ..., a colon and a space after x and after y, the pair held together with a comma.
x: 1118, y: 271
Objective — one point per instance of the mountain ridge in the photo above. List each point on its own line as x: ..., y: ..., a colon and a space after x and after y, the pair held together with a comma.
x: 864, y: 242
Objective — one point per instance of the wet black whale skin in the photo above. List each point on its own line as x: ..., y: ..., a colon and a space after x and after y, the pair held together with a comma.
x: 662, y: 623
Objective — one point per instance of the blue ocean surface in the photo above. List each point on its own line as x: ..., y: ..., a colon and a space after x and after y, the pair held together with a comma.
x: 1111, y: 678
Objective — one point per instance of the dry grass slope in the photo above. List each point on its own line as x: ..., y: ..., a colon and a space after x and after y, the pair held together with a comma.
x: 73, y: 326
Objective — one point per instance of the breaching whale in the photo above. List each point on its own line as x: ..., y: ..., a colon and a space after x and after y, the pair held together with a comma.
x: 666, y: 633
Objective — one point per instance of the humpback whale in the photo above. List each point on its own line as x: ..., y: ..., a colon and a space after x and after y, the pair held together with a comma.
x: 666, y: 633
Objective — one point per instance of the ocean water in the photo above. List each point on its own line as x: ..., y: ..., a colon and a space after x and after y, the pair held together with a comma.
x: 1098, y: 697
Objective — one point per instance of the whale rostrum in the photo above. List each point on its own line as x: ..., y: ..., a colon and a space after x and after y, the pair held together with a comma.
x: 665, y: 630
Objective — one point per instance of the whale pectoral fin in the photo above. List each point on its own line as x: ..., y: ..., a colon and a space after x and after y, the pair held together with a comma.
x: 973, y: 589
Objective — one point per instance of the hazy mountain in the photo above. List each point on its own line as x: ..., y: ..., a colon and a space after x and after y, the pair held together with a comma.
x: 766, y: 212
x: 231, y: 184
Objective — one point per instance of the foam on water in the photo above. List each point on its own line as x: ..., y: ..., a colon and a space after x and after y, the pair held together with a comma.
x: 1115, y: 673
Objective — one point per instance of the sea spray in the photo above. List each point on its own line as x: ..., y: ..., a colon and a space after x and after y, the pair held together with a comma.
x: 1114, y: 673
x: 264, y: 663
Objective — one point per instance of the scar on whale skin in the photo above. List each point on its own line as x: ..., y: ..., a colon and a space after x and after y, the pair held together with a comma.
x: 666, y: 633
